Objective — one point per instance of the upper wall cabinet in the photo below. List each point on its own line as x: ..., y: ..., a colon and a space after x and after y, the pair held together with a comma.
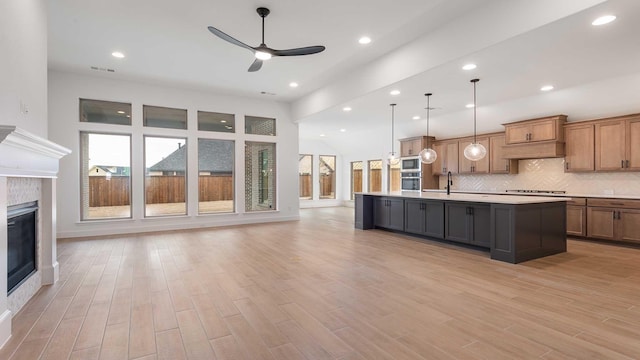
x: 467, y: 166
x: 447, y: 159
x: 536, y: 138
x: 617, y: 144
x: 498, y: 164
x: 411, y: 146
x: 579, y: 147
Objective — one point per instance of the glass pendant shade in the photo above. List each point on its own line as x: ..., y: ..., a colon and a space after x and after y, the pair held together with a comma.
x: 393, y: 158
x: 475, y: 152
x: 428, y: 156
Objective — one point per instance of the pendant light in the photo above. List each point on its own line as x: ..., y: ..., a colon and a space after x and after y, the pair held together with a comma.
x: 393, y: 158
x: 428, y: 155
x: 474, y: 151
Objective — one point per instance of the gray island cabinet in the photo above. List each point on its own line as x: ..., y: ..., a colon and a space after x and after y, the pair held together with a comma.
x: 513, y: 228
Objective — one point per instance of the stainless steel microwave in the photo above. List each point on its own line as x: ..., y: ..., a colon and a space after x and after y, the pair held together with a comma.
x: 410, y: 164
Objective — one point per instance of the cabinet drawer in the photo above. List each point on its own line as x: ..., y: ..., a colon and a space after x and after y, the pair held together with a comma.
x: 617, y: 203
x: 577, y: 201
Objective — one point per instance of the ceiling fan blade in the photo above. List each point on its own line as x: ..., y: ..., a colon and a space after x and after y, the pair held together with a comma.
x: 230, y: 39
x: 255, y: 66
x: 299, y: 51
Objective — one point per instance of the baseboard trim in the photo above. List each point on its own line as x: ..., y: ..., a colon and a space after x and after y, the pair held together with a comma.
x: 5, y: 328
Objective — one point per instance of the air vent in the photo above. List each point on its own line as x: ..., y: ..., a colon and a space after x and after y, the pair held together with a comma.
x: 102, y: 69
x: 267, y: 93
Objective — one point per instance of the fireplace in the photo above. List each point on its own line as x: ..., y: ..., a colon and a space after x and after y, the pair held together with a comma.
x: 22, y: 229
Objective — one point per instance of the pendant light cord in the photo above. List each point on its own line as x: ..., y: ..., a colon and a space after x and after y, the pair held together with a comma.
x: 474, y: 81
x: 392, y: 125
x: 428, y: 110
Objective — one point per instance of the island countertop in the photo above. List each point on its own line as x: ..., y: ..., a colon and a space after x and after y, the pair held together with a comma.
x: 466, y: 197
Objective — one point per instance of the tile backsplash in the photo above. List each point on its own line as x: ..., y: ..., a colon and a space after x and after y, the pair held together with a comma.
x: 548, y: 174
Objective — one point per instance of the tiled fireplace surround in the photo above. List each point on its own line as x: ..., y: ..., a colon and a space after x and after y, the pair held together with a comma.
x: 28, y: 167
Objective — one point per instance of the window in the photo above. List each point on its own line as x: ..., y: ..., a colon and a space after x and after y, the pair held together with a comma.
x: 162, y: 117
x: 219, y: 122
x: 105, y: 112
x: 375, y: 175
x: 106, y: 176
x: 215, y: 176
x: 165, y: 162
x: 260, y: 176
x: 356, y: 177
x: 305, y: 172
x: 394, y: 177
x: 327, y: 171
x: 259, y: 125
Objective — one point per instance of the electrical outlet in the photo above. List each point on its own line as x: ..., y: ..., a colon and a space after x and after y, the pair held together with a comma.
x: 24, y: 109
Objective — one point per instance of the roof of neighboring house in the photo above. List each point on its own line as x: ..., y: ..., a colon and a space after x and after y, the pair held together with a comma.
x: 213, y: 155
x: 114, y: 170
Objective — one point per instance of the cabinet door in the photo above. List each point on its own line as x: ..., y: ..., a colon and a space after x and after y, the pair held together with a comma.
x: 579, y: 148
x: 610, y: 146
x: 628, y: 227
x: 576, y: 220
x: 543, y: 130
x: 482, y: 166
x: 465, y: 165
x: 497, y: 163
x: 601, y: 223
x: 516, y: 134
x: 380, y: 212
x: 405, y: 148
x: 457, y: 222
x: 414, y: 216
x: 396, y: 213
x: 451, y: 154
x: 437, y: 168
x: 434, y: 213
x: 633, y: 144
x: 481, y: 221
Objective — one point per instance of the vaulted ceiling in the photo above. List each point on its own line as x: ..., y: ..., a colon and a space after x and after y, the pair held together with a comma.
x: 418, y: 46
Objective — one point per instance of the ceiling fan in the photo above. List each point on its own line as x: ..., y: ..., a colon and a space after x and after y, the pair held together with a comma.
x: 263, y: 52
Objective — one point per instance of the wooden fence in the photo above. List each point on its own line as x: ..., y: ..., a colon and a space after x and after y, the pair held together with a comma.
x: 306, y: 186
x: 159, y: 189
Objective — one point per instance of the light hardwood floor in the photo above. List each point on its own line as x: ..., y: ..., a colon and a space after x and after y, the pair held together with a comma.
x: 319, y: 289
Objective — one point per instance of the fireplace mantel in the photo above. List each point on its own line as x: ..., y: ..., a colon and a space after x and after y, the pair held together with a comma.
x: 23, y: 154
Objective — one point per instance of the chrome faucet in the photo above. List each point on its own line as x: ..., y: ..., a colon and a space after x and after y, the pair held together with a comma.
x: 449, y: 183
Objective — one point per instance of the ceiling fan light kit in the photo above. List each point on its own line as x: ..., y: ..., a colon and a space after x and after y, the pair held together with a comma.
x: 263, y: 52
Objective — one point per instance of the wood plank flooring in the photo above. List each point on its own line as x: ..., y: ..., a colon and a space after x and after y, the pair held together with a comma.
x: 319, y: 289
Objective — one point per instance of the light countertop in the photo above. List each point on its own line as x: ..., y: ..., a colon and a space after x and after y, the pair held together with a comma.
x: 504, y: 193
x: 467, y: 197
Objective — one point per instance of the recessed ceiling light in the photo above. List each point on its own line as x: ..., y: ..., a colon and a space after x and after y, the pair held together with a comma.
x: 322, y: 135
x: 395, y: 92
x: 120, y: 112
x: 469, y: 106
x: 416, y: 117
x: 469, y: 67
x: 364, y: 40
x: 223, y: 121
x: 117, y: 54
x: 546, y: 88
x: 603, y: 20
x: 293, y: 84
x: 343, y: 130
x: 346, y: 108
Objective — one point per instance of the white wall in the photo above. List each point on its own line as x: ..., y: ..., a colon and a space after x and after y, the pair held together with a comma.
x: 66, y: 89
x: 23, y: 65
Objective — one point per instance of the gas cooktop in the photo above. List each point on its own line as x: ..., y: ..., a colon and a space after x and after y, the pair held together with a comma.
x: 538, y: 191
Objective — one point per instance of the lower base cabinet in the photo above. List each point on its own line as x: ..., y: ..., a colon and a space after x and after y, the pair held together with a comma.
x: 424, y: 217
x: 388, y: 213
x: 613, y: 223
x: 468, y: 223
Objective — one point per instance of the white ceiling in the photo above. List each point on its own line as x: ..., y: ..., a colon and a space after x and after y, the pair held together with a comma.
x: 418, y: 46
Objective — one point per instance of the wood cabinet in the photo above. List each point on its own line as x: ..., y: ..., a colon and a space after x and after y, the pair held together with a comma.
x: 543, y: 129
x: 617, y: 144
x: 577, y: 217
x: 411, y: 146
x: 468, y: 223
x: 466, y: 166
x: 447, y: 157
x: 579, y: 148
x: 388, y: 212
x: 424, y: 217
x: 497, y: 163
x: 613, y: 219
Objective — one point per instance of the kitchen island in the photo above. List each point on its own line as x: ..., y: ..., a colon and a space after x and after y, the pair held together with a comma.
x: 513, y: 228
